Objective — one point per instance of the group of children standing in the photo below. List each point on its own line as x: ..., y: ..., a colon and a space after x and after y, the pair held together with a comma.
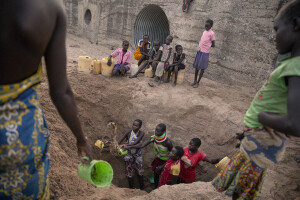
x: 160, y: 55
x: 172, y: 164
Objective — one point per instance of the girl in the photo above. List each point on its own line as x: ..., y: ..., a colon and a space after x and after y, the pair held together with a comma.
x: 178, y: 63
x: 134, y: 159
x: 172, y: 166
x: 274, y: 110
x: 201, y: 60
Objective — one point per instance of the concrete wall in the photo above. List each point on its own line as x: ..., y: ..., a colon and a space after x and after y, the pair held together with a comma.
x: 244, y: 52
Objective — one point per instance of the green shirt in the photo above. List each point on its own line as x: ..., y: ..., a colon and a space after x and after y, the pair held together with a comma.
x: 272, y: 97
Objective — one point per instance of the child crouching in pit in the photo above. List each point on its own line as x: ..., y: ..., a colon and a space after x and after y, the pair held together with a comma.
x: 172, y: 167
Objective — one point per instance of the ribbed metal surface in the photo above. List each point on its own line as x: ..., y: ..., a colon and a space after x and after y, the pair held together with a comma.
x: 153, y: 21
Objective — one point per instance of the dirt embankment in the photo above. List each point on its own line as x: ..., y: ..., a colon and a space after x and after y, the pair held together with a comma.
x: 213, y: 112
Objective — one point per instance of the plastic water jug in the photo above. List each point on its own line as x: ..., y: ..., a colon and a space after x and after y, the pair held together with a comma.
x: 96, y: 66
x: 180, y: 77
x: 149, y: 73
x: 133, y: 69
x: 84, y: 64
x: 105, y: 69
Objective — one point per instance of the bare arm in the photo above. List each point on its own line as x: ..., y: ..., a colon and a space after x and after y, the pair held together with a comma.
x: 288, y: 124
x: 123, y: 137
x: 169, y: 55
x: 211, y: 160
x: 141, y: 145
x: 60, y: 91
x: 213, y: 43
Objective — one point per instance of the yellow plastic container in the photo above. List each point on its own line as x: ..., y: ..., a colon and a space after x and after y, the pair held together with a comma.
x: 105, y: 69
x: 84, y: 64
x: 96, y: 66
x: 223, y: 163
x: 149, y: 73
x: 180, y: 77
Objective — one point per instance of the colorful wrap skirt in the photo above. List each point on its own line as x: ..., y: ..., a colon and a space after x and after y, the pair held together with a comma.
x: 24, y: 142
x: 241, y: 178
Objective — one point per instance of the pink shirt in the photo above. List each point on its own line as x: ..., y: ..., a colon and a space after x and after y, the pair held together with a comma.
x: 122, y: 58
x: 206, y: 41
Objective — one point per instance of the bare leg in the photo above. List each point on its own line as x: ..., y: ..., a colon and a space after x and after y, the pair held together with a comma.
x: 154, y: 65
x: 141, y: 59
x: 140, y: 69
x: 176, y: 74
x: 122, y: 70
x: 200, y: 76
x: 169, y: 74
x: 115, y: 72
x: 141, y: 181
x: 195, y: 79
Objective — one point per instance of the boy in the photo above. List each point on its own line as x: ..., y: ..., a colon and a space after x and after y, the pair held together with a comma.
x: 179, y: 62
x: 162, y: 146
x: 166, y: 53
x: 124, y: 59
x: 141, y: 52
x: 134, y: 157
x: 190, y: 159
x: 153, y: 60
x: 172, y: 166
x: 201, y: 60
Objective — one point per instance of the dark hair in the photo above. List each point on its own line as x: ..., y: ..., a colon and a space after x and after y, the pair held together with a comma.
x: 290, y: 10
x: 146, y: 35
x: 170, y: 36
x: 179, y: 151
x: 156, y: 41
x: 196, y: 141
x: 177, y: 46
x: 211, y: 22
x: 139, y: 121
x: 125, y: 41
x: 163, y: 127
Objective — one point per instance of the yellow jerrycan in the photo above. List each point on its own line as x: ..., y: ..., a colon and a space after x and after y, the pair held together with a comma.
x: 84, y: 64
x: 96, y: 66
x: 105, y: 69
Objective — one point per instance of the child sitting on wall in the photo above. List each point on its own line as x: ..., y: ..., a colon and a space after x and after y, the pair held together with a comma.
x: 141, y: 52
x: 124, y: 59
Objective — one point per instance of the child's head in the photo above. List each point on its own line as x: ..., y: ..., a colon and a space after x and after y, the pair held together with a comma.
x: 176, y: 153
x: 137, y: 124
x: 194, y: 145
x: 160, y: 129
x: 156, y: 44
x: 169, y: 39
x: 178, y: 49
x: 125, y: 45
x: 146, y: 38
x: 287, y: 27
x: 208, y: 24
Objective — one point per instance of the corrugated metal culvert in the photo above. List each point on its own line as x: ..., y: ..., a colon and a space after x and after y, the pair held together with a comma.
x: 153, y: 21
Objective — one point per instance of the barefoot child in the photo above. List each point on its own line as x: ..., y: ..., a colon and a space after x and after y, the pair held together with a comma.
x: 153, y: 60
x: 166, y: 53
x: 172, y: 167
x: 124, y: 59
x: 179, y: 62
x: 162, y: 146
x: 201, y: 60
x: 141, y: 52
x: 134, y: 159
x: 190, y: 159
x: 274, y: 110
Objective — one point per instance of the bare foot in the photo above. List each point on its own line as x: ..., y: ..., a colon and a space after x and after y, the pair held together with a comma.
x: 193, y: 83
x: 167, y: 81
x: 196, y: 85
x: 133, y: 76
x: 151, y: 84
x: 157, y: 79
x: 174, y: 84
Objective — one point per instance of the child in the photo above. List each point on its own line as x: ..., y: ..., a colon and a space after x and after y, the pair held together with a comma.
x: 190, y: 159
x: 141, y: 52
x: 178, y: 63
x: 153, y: 60
x: 166, y: 53
x: 201, y: 60
x: 274, y: 110
x: 124, y: 59
x: 172, y: 166
x: 162, y: 146
x: 134, y: 159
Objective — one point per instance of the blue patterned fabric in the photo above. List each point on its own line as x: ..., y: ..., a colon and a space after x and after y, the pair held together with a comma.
x: 24, y: 142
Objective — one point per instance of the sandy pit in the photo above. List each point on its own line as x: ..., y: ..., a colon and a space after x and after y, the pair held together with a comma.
x: 213, y: 112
